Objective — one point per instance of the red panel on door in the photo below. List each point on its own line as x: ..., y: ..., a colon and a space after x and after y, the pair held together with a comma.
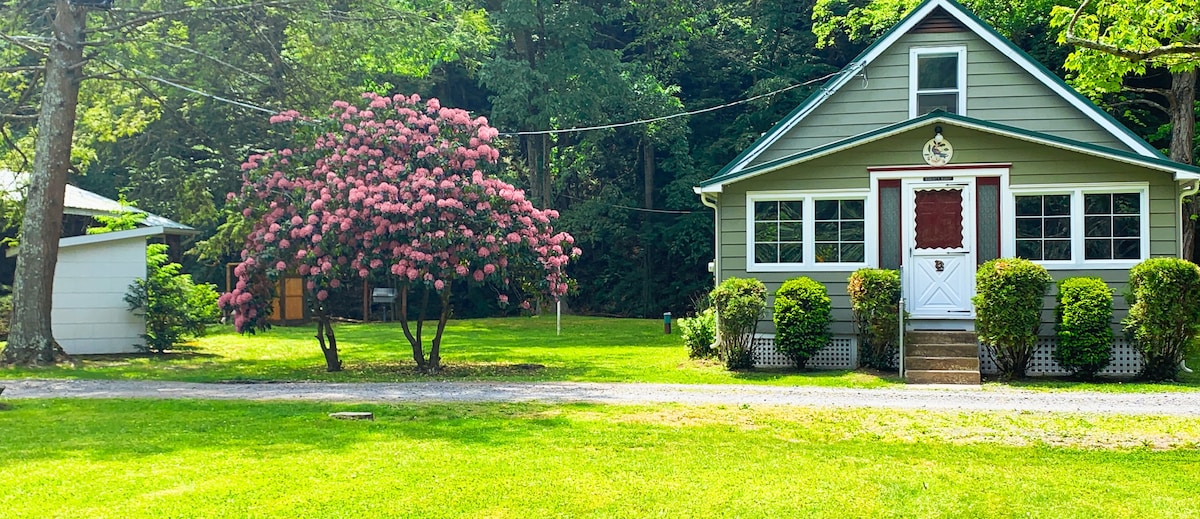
x: 939, y: 219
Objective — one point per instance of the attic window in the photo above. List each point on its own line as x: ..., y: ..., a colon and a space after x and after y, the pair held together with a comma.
x: 938, y: 80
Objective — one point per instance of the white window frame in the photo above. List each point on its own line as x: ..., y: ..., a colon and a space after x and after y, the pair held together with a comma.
x: 870, y: 229
x: 1076, y: 191
x: 917, y: 52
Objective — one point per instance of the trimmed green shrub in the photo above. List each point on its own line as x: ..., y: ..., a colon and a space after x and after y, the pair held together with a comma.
x: 802, y: 315
x: 175, y: 307
x: 1164, y: 313
x: 739, y: 303
x: 699, y: 333
x: 1008, y: 310
x: 875, y: 303
x: 1083, y: 323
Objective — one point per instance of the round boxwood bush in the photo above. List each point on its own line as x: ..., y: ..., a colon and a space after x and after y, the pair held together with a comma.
x: 1083, y: 323
x: 802, y: 315
x: 1164, y: 313
x: 739, y: 303
x: 699, y: 333
x: 1008, y: 310
x: 875, y: 304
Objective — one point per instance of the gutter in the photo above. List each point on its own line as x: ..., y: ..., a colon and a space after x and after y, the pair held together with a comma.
x: 712, y: 202
x: 1189, y: 189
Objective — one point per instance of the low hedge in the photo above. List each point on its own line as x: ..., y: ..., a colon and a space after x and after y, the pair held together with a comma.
x: 1008, y: 311
x: 875, y: 305
x: 699, y: 333
x: 1164, y: 313
x: 1083, y: 324
x: 802, y: 313
x: 740, y: 303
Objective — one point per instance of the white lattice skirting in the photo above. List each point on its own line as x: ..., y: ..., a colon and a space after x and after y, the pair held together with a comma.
x: 840, y: 353
x: 1126, y: 361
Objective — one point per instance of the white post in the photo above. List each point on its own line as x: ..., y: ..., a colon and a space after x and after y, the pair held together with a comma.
x: 558, y: 320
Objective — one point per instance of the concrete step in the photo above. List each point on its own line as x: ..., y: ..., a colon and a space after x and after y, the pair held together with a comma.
x: 914, y: 349
x: 921, y: 376
x: 942, y: 363
x: 940, y: 337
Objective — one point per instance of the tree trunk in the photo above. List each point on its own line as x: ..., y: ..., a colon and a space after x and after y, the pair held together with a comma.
x: 31, y: 340
x: 435, y: 350
x: 1182, y: 103
x: 648, y: 171
x: 328, y: 342
x: 417, y: 350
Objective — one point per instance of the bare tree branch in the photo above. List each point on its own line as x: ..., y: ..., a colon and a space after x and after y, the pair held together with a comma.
x: 1131, y: 55
x: 18, y: 117
x: 149, y: 17
x: 13, y: 145
x: 1145, y: 102
x: 18, y: 42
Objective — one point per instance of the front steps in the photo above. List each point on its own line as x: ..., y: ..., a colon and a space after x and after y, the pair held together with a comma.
x: 941, y: 357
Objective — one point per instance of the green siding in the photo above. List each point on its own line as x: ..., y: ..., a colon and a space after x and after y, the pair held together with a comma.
x: 1031, y: 164
x: 997, y: 90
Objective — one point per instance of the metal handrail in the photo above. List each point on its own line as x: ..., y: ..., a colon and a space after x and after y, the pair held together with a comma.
x: 900, y: 320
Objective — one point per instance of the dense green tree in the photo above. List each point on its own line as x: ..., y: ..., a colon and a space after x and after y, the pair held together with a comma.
x: 1118, y: 40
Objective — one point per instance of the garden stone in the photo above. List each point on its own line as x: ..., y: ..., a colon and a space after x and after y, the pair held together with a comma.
x: 352, y: 415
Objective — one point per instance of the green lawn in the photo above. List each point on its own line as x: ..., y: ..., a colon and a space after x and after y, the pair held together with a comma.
x: 159, y: 459
x: 516, y: 349
x: 589, y: 349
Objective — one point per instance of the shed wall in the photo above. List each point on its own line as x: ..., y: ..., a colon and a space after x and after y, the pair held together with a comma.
x: 90, y: 315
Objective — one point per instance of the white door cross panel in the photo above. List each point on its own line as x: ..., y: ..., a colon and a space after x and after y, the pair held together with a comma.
x: 939, y: 230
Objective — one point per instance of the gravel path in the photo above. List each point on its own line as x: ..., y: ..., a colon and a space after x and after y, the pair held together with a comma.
x: 940, y: 398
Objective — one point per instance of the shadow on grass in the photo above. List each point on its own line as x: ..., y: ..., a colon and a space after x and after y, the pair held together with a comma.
x: 124, y: 429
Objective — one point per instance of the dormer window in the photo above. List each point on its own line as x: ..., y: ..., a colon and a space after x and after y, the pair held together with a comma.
x: 937, y: 79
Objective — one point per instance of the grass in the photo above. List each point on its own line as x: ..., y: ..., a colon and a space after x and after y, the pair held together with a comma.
x: 143, y: 458
x: 516, y: 349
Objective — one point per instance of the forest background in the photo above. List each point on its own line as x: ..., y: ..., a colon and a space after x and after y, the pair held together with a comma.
x: 173, y: 106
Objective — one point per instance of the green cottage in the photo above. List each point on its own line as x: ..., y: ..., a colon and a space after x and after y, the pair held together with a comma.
x: 940, y: 147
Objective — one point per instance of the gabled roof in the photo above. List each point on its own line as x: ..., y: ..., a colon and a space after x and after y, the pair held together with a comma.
x: 83, y: 202
x: 1180, y: 171
x: 981, y: 29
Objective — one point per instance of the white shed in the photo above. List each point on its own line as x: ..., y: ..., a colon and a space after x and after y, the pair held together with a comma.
x: 90, y: 282
x: 93, y: 274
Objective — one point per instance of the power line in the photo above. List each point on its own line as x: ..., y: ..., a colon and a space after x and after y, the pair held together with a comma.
x: 205, y: 94
x: 672, y: 116
x: 536, y: 132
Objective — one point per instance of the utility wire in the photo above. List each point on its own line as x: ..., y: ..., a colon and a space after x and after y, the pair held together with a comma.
x: 672, y: 116
x: 537, y: 132
x: 205, y: 94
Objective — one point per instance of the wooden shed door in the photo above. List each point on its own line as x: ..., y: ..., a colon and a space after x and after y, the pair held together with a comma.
x: 939, y: 266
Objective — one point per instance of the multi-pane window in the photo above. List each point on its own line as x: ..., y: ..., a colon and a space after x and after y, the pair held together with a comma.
x: 1078, y: 225
x: 779, y: 231
x: 840, y: 231
x: 1112, y: 226
x: 788, y: 230
x: 938, y: 80
x: 1044, y: 227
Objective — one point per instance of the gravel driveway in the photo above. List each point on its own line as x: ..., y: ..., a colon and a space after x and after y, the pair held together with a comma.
x: 941, y: 398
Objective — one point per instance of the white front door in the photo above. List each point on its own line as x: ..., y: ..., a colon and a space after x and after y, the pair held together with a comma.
x: 939, y: 237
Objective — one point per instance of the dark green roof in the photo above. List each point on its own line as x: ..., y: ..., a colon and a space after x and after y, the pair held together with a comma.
x: 1158, y: 162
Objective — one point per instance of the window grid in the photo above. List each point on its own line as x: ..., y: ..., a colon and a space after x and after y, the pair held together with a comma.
x: 840, y: 231
x: 1112, y: 226
x: 1044, y: 227
x: 779, y: 231
x: 786, y: 229
x: 1079, y: 226
x: 937, y: 80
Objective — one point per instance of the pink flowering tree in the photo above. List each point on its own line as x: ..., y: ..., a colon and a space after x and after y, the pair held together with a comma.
x: 391, y: 188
